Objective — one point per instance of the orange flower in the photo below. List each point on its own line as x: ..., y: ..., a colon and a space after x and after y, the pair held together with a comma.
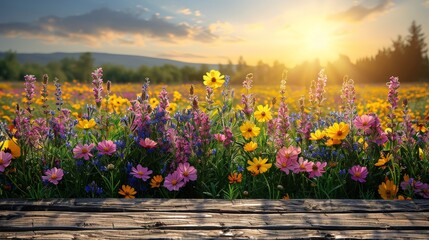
x: 235, y: 178
x: 286, y: 197
x: 383, y: 160
x: 156, y: 181
x: 127, y: 191
x: 388, y: 190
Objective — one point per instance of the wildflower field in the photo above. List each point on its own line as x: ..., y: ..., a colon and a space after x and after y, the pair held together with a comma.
x: 213, y: 140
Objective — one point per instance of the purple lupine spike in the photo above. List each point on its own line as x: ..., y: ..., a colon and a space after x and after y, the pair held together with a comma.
x: 97, y: 82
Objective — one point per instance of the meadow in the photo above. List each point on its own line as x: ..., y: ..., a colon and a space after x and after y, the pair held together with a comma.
x: 214, y: 140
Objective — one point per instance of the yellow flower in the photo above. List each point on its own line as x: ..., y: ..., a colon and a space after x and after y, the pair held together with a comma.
x: 127, y: 191
x: 420, y: 128
x: 263, y: 113
x: 383, y: 160
x: 172, y: 107
x: 176, y: 96
x: 11, y: 147
x: 258, y: 165
x: 421, y: 154
x: 213, y: 79
x: 76, y: 106
x: 387, y: 190
x: 249, y: 130
x: 85, y: 124
x: 250, y: 146
x: 156, y: 181
x: 153, y: 102
x: 332, y: 142
x: 317, y: 135
x: 338, y: 131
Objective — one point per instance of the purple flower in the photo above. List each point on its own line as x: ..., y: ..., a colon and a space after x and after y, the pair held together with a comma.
x: 53, y: 175
x: 188, y: 172
x: 358, y: 173
x: 392, y: 97
x: 29, y: 87
x: 83, y: 151
x: 228, y: 136
x: 106, y: 147
x: 174, y: 181
x: 4, y: 160
x: 97, y: 83
x: 141, y: 172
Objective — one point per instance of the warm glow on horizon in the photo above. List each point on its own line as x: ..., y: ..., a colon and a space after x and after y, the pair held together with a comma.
x: 287, y: 31
x: 316, y: 40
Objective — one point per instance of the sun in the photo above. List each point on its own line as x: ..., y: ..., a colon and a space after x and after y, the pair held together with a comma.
x: 317, y: 41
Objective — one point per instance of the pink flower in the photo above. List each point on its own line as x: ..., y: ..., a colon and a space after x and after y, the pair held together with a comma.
x: 219, y: 137
x: 53, y: 175
x: 302, y: 166
x: 147, y: 143
x: 4, y: 160
x: 317, y: 169
x: 358, y: 173
x: 174, y: 181
x: 106, y: 147
x: 286, y: 157
x: 364, y: 122
x: 83, y: 151
x: 289, y: 153
x: 285, y: 164
x: 141, y: 172
x: 188, y: 172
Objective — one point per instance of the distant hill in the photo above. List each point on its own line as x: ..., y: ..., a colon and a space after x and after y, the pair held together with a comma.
x: 129, y: 61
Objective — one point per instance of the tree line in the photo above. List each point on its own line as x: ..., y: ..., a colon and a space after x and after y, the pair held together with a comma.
x: 407, y: 58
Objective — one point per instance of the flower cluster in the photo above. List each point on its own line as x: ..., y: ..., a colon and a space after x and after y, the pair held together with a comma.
x: 156, y: 143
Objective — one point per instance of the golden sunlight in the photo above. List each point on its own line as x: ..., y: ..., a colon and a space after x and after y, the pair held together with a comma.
x: 317, y: 41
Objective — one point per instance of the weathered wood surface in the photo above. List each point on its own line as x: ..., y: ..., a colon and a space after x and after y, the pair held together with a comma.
x: 204, y: 218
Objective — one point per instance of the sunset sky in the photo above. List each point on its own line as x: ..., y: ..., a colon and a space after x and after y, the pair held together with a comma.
x: 206, y: 31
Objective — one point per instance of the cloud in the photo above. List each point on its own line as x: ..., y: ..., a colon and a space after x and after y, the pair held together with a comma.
x: 185, y: 11
x: 106, y: 25
x: 359, y: 13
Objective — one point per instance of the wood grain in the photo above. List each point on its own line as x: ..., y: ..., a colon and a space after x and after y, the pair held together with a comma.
x: 207, y: 218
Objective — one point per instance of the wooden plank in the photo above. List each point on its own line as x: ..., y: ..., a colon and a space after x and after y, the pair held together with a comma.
x: 38, y: 220
x: 202, y: 205
x: 208, y: 218
x: 225, y: 233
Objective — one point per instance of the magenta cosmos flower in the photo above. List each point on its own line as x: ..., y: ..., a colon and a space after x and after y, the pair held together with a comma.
x: 174, y: 181
x: 364, y: 123
x: 317, y: 169
x: 147, y: 143
x: 4, y: 160
x: 358, y: 173
x: 53, y: 175
x: 188, y: 172
x: 302, y: 165
x: 83, y: 151
x: 106, y: 147
x: 141, y: 172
